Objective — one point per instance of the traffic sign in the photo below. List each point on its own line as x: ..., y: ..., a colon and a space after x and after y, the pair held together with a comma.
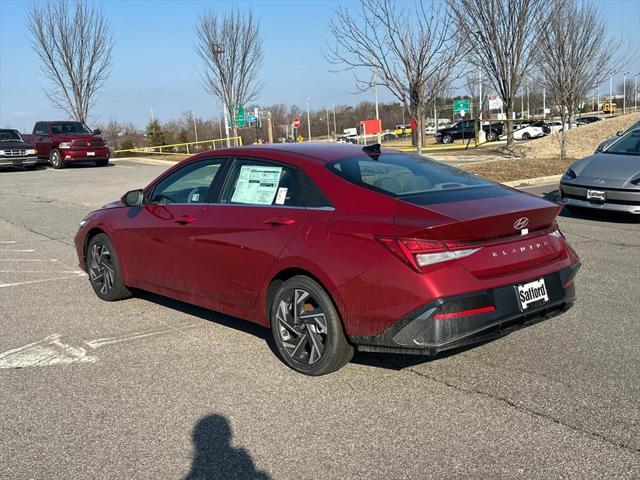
x: 251, y: 118
x: 460, y: 106
x: 296, y: 122
x: 300, y: 138
x: 241, y: 121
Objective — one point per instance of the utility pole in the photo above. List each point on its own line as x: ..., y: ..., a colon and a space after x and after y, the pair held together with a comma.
x: 308, y: 120
x: 610, y: 93
x: 635, y: 92
x: 335, y: 129
x: 544, y: 102
x: 598, y: 101
x: 269, y: 127
x: 528, y: 111
x: 195, y: 126
x: 624, y: 91
x: 375, y: 91
x: 328, y: 126
x: 479, y: 98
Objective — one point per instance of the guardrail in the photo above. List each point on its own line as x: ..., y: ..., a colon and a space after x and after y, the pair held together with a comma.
x: 185, y: 148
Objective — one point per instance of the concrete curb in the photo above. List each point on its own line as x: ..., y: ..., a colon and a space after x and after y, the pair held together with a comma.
x: 533, y: 182
x: 151, y: 161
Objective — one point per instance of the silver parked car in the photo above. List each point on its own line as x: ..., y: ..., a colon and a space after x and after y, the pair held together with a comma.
x: 607, y: 180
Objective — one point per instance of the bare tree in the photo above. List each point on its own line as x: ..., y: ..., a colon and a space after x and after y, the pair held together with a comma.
x: 411, y: 52
x: 74, y: 43
x: 575, y: 57
x: 502, y: 38
x: 230, y: 47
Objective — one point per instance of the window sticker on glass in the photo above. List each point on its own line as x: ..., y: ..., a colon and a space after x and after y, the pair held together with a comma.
x: 256, y: 185
x: 282, y: 196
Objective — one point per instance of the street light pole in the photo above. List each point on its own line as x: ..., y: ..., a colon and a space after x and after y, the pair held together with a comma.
x: 610, y: 93
x: 328, y: 126
x: 308, y: 120
x: 544, y: 103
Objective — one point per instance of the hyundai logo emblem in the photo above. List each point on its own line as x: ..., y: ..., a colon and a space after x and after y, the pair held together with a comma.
x: 521, y: 223
x: 599, y: 181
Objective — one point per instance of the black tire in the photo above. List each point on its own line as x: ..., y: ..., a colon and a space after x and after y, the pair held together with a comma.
x: 491, y: 136
x: 315, y: 345
x: 103, y: 266
x: 56, y: 160
x: 102, y: 163
x: 447, y: 139
x: 526, y: 136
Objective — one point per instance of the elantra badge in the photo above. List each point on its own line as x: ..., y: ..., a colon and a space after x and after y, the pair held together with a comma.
x: 521, y: 223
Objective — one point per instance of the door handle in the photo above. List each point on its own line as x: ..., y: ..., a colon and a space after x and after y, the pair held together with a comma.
x: 186, y: 219
x: 279, y: 221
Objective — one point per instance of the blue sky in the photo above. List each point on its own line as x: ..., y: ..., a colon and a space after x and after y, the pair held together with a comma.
x: 155, y: 64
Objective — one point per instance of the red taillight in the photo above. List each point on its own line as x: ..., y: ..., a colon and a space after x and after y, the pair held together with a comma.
x: 464, y: 313
x: 418, y: 253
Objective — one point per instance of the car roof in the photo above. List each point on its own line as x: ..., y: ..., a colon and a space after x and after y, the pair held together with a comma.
x: 320, y: 152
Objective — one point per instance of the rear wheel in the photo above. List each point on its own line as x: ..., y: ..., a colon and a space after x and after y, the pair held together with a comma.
x: 56, y: 160
x: 104, y: 270
x: 102, y: 163
x: 447, y: 139
x: 307, y: 329
x: 491, y: 136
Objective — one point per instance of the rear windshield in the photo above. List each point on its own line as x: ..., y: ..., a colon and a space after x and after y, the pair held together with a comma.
x: 413, y: 178
x: 64, y: 128
x: 628, y: 144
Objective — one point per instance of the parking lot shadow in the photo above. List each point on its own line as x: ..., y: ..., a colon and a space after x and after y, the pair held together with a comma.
x: 215, y: 457
x: 590, y: 214
x: 211, y: 316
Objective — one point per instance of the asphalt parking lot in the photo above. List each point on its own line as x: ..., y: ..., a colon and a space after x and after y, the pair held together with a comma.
x: 152, y: 388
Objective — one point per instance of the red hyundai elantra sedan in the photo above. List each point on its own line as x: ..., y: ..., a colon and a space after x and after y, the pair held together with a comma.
x: 336, y: 247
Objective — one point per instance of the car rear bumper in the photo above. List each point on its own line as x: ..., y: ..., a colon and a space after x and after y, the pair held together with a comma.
x: 19, y: 161
x: 616, y: 200
x: 421, y: 333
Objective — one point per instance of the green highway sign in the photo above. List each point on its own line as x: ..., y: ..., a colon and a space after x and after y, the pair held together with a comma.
x: 241, y: 120
x: 461, y: 105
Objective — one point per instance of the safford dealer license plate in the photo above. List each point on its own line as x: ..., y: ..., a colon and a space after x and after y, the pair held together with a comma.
x: 595, y: 195
x: 532, y: 292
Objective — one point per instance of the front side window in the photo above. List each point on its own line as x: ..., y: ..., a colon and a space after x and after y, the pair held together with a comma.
x: 190, y: 184
x: 260, y: 183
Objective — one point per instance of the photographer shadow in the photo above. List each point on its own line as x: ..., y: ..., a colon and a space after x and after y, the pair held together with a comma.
x: 215, y: 457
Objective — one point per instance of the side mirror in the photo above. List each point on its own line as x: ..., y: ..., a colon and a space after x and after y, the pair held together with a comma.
x: 619, y: 133
x: 97, y: 131
x: 133, y: 198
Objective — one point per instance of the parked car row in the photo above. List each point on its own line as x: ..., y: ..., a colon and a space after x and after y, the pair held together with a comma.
x: 57, y: 143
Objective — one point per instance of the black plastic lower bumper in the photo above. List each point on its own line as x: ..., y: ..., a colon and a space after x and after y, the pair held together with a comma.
x: 422, y: 334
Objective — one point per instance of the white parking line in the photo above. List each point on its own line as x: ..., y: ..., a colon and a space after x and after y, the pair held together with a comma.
x: 29, y: 282
x: 27, y: 260
x: 22, y: 251
x: 7, y: 242
x: 40, y: 271
x: 48, y: 351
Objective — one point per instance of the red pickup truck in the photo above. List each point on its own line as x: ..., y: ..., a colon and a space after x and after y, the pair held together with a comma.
x: 63, y: 142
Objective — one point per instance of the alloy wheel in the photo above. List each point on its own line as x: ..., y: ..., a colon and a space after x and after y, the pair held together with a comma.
x: 101, y: 269
x: 302, y: 327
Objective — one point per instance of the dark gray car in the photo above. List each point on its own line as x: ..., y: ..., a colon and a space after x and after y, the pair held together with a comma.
x: 607, y: 180
x: 610, y: 140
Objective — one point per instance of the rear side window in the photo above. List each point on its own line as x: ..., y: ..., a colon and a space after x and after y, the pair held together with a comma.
x: 413, y: 178
x: 260, y: 183
x: 40, y: 129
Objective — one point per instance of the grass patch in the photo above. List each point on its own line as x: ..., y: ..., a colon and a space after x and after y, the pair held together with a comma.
x: 521, y: 168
